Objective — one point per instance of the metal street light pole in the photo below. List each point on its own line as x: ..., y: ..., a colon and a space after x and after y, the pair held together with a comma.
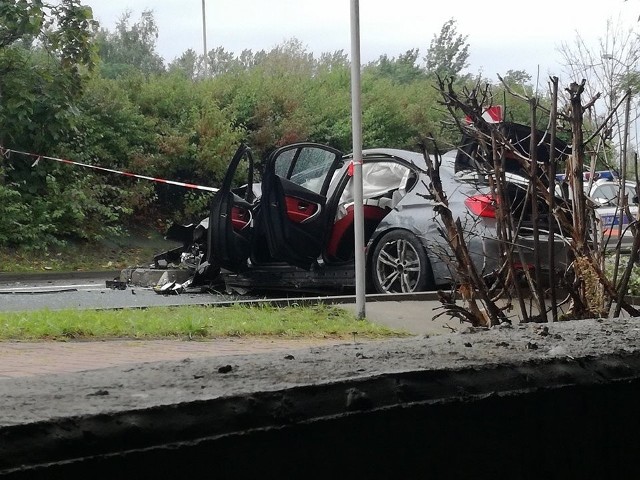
x: 204, y: 38
x: 356, y: 119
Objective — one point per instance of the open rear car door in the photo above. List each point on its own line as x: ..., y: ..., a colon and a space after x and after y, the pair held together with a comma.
x: 231, y: 217
x: 294, y: 196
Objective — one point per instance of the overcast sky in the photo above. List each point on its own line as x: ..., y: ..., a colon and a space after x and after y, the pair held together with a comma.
x: 503, y: 34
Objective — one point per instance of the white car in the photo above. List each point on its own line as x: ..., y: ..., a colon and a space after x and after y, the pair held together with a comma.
x: 615, y: 220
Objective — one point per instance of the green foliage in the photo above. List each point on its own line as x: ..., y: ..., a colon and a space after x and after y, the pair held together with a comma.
x: 41, y: 71
x: 178, y: 123
x: 20, y: 19
x: 194, y: 138
x: 196, y: 206
x: 217, y: 138
x: 383, y: 121
x: 448, y: 52
x: 268, y: 99
x: 220, y: 61
x: 131, y: 48
x: 12, y: 211
x: 38, y: 213
x: 402, y: 70
x: 188, y: 64
x: 110, y: 133
x: 518, y: 78
x: 45, y: 57
x: 327, y: 103
x: 68, y: 37
x: 111, y: 130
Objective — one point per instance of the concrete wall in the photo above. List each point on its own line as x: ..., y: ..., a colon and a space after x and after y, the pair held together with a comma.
x: 466, y: 413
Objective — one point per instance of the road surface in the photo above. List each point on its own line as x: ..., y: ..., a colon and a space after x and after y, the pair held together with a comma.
x: 57, y: 294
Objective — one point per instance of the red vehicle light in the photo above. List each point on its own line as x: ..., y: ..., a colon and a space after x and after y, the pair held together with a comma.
x: 482, y: 205
x: 523, y: 266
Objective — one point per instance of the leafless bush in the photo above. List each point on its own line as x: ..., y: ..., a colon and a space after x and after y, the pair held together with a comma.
x: 580, y: 283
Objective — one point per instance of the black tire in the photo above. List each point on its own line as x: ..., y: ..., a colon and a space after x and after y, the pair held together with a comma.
x: 399, y: 264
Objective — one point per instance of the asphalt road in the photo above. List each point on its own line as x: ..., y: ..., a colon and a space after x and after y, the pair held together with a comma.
x: 30, y: 293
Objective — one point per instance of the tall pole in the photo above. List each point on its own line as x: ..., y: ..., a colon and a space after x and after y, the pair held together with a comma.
x: 204, y: 37
x: 356, y: 120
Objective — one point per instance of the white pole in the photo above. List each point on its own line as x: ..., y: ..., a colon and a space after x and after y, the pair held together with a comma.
x: 204, y: 39
x: 356, y: 119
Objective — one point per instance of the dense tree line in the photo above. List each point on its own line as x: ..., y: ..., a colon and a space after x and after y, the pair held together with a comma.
x: 71, y: 89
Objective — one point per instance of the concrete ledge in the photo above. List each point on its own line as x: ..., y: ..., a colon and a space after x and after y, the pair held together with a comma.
x: 512, y: 402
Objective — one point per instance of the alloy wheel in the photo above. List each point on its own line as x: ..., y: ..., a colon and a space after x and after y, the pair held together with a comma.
x: 398, y: 267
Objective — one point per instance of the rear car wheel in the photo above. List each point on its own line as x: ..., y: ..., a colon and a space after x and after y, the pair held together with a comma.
x: 399, y: 264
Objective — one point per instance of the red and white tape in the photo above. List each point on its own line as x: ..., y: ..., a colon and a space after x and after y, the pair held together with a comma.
x: 37, y: 157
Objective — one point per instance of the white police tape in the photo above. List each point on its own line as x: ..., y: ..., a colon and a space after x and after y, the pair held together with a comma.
x: 6, y: 151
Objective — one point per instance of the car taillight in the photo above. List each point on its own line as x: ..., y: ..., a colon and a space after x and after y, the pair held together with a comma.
x: 482, y: 205
x: 523, y: 266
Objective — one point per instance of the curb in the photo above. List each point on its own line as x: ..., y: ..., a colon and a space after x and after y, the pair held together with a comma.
x: 26, y: 276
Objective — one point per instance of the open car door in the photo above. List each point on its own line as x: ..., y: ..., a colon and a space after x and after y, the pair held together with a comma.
x: 294, y: 196
x: 231, y: 217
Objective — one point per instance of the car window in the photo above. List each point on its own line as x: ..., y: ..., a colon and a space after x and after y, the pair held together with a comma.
x: 283, y: 163
x: 607, y: 193
x: 307, y: 167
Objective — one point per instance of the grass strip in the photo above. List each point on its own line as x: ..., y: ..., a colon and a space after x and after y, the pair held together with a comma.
x: 189, y: 322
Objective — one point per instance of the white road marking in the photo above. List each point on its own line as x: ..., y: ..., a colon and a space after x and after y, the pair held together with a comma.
x: 84, y: 288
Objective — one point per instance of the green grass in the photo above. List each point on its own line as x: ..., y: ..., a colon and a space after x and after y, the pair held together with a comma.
x: 634, y: 280
x: 189, y: 323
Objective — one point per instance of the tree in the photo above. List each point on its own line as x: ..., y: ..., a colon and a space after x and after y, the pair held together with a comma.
x: 514, y: 93
x: 45, y: 53
x: 130, y: 47
x: 332, y: 61
x: 45, y: 56
x: 221, y: 61
x: 188, y: 63
x: 20, y: 20
x: 289, y: 57
x: 517, y: 78
x: 448, y: 52
x: 610, y: 70
x: 401, y: 70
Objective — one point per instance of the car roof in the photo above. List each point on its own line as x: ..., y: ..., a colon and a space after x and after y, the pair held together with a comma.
x: 413, y: 157
x: 617, y: 182
x: 448, y: 158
